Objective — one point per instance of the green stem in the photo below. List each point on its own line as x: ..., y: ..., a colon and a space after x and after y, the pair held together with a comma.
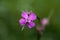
x: 50, y: 14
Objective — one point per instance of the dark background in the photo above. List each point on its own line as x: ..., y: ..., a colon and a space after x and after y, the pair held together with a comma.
x: 10, y: 13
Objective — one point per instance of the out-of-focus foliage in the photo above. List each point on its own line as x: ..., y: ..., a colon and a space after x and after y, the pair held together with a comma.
x: 10, y: 13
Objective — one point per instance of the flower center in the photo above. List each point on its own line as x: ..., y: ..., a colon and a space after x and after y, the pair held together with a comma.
x: 27, y: 20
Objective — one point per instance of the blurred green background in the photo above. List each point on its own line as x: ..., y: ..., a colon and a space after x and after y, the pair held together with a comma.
x: 10, y: 13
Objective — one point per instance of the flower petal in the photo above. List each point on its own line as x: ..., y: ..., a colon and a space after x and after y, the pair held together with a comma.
x: 24, y: 14
x: 22, y: 22
x: 31, y: 24
x: 32, y: 16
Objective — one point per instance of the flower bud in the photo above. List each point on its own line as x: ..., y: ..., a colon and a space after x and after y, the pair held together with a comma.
x: 44, y: 21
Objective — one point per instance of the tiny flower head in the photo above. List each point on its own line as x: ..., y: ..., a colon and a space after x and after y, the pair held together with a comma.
x: 28, y: 18
x: 44, y: 21
x: 40, y: 29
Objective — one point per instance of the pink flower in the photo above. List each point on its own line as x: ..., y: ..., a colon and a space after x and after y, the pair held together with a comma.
x: 28, y: 18
x: 44, y: 21
x: 40, y: 28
